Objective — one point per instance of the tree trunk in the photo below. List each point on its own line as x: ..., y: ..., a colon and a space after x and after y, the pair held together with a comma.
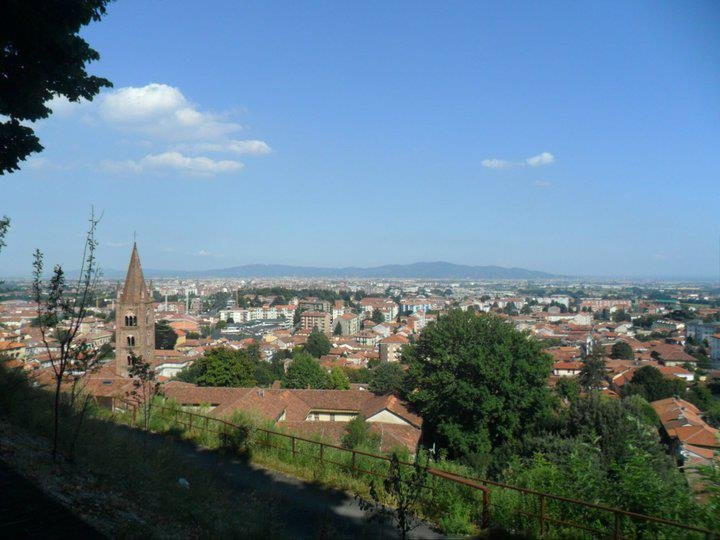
x: 56, y: 419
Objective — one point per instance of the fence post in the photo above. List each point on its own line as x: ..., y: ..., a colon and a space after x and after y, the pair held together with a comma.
x: 293, y: 447
x: 486, y: 509
x: 616, y: 534
x: 542, y: 515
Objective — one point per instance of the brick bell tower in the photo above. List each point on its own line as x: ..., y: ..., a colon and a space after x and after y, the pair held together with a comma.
x: 134, y: 318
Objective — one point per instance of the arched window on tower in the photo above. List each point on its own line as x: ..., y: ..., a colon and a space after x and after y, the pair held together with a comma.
x: 131, y: 341
x: 129, y: 359
x: 130, y: 320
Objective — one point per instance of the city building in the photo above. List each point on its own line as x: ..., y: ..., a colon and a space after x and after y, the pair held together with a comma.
x: 316, y: 319
x: 390, y: 348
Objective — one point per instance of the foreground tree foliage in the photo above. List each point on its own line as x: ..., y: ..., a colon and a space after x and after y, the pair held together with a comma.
x: 61, y: 308
x: 41, y: 56
x: 359, y: 436
x: 478, y: 383
x: 608, y: 451
x: 4, y: 226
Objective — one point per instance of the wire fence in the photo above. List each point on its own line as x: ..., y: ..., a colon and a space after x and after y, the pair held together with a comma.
x: 492, y: 504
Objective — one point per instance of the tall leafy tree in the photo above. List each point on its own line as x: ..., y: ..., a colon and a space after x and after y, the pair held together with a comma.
x: 305, y: 372
x: 165, y: 336
x: 377, y: 316
x: 387, y: 378
x: 317, y: 344
x: 41, y: 56
x: 649, y: 382
x: 593, y: 374
x: 358, y: 435
x: 220, y: 366
x: 338, y: 379
x: 4, y: 226
x: 622, y: 350
x: 478, y: 382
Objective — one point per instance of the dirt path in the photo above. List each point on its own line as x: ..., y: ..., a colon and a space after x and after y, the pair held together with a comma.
x: 305, y: 510
x: 27, y: 512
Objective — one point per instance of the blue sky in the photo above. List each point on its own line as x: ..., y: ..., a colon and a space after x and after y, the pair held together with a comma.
x: 577, y: 139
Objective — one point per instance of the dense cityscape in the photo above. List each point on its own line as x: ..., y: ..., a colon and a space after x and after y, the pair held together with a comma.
x: 320, y: 270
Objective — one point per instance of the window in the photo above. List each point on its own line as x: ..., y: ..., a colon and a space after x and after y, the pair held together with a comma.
x: 129, y: 359
x: 131, y: 341
x: 332, y: 417
x: 130, y: 320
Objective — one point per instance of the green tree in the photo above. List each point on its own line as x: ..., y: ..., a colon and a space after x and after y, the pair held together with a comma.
x: 359, y: 436
x: 41, y: 56
x: 266, y: 373
x: 338, y: 379
x: 710, y: 478
x: 622, y: 350
x: 254, y: 352
x: 220, y: 366
x: 620, y: 315
x: 317, y: 344
x: 568, y: 388
x: 338, y: 329
x: 593, y: 374
x: 406, y: 487
x: 359, y: 375
x: 712, y: 415
x: 388, y: 378
x: 478, y: 382
x: 377, y: 316
x: 305, y: 372
x: 649, y: 382
x: 165, y: 336
x: 4, y: 226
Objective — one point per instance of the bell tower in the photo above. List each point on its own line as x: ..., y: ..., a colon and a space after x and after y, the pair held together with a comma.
x: 134, y: 318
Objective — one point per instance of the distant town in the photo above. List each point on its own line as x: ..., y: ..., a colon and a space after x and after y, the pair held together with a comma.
x: 367, y: 323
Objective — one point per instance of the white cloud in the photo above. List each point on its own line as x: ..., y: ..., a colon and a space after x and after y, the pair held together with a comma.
x: 203, y: 253
x: 542, y: 183
x: 164, y: 112
x: 63, y: 107
x: 116, y: 244
x: 236, y: 147
x: 541, y: 159
x: 535, y: 161
x: 174, y: 162
x: 160, y: 118
x: 498, y: 164
x: 141, y: 103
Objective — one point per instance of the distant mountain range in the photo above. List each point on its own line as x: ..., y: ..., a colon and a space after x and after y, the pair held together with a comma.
x: 422, y: 270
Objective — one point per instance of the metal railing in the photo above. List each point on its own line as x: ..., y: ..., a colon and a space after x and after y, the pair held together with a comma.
x: 193, y: 420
